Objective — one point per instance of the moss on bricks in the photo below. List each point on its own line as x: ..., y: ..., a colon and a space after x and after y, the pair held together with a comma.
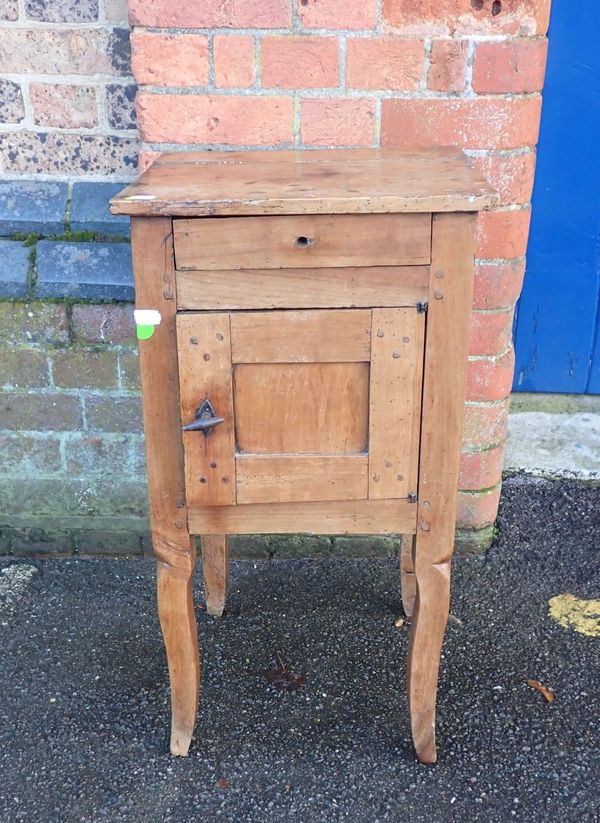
x: 472, y: 543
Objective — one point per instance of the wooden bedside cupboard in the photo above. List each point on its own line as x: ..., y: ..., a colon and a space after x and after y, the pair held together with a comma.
x: 304, y: 323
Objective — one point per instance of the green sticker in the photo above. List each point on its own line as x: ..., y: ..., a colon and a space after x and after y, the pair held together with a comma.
x: 144, y: 331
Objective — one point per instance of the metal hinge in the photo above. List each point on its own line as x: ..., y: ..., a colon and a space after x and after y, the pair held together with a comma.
x: 422, y: 307
x: 412, y: 498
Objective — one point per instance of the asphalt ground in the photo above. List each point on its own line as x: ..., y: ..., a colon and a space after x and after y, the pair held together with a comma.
x: 84, y: 703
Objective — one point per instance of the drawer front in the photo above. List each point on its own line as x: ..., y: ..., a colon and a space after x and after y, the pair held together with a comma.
x: 303, y: 288
x: 302, y: 241
x: 319, y: 405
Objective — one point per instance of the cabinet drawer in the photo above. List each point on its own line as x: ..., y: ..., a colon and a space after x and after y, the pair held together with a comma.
x: 301, y: 241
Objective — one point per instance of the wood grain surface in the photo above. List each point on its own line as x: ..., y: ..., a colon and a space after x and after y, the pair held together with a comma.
x: 339, y: 181
x: 302, y: 288
x: 302, y: 241
x: 328, y: 517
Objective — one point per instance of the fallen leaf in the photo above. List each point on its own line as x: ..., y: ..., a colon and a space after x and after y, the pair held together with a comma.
x: 548, y: 695
x: 281, y: 677
x: 570, y: 612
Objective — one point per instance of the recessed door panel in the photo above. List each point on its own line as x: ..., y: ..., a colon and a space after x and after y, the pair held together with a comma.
x: 301, y: 408
x: 301, y: 336
x: 301, y: 477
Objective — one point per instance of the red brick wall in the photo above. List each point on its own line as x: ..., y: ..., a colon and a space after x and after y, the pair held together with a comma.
x: 306, y: 73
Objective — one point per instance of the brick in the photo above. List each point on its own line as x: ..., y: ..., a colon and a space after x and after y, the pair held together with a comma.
x: 484, y: 426
x: 120, y: 106
x: 137, y: 458
x: 14, y: 265
x: 250, y: 547
x: 516, y: 66
x: 244, y: 14
x: 524, y: 17
x: 62, y: 11
x: 116, y: 11
x: 129, y: 364
x: 31, y: 499
x: 9, y: 9
x: 99, y: 455
x: 331, y: 14
x: 384, y: 63
x: 511, y: 175
x: 491, y: 333
x: 477, y: 510
x: 89, y: 209
x: 490, y: 378
x: 40, y: 412
x: 497, y: 285
x: 502, y: 234
x: 338, y: 122
x: 234, y: 60
x: 93, y: 271
x: 169, y: 59
x: 23, y: 369
x: 448, y: 65
x: 32, y: 206
x: 25, y: 455
x: 175, y: 118
x: 299, y: 62
x: 108, y: 324
x: 481, y: 470
x: 73, y: 369
x: 474, y: 542
x: 370, y: 545
x: 39, y: 542
x: 38, y: 323
x: 479, y: 123
x: 63, y: 51
x: 110, y: 543
x: 146, y: 158
x: 298, y: 545
x: 6, y: 536
x: 63, y: 106
x: 114, y: 414
x: 12, y: 109
x: 68, y: 154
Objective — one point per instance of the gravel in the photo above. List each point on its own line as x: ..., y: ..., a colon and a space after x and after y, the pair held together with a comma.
x: 84, y: 703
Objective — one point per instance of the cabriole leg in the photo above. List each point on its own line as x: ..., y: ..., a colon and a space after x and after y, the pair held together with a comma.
x: 444, y: 375
x: 215, y: 568
x: 425, y: 646
x: 178, y: 624
x: 408, y: 584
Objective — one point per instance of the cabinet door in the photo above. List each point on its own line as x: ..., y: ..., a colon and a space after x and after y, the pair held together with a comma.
x: 316, y: 405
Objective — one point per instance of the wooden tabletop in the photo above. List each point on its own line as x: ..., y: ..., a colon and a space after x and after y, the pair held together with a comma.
x: 306, y: 182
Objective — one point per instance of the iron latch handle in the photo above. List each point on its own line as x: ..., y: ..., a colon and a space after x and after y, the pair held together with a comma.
x: 205, y: 420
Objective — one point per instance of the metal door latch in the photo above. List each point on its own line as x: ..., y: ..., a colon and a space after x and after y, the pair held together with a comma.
x: 205, y: 419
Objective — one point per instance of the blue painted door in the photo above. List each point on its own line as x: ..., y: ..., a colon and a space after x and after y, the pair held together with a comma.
x: 557, y: 335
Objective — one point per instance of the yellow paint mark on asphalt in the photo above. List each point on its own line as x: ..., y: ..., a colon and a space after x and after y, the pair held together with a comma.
x: 570, y: 612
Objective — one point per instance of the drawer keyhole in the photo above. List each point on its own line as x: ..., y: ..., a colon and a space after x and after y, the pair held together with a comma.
x: 304, y: 241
